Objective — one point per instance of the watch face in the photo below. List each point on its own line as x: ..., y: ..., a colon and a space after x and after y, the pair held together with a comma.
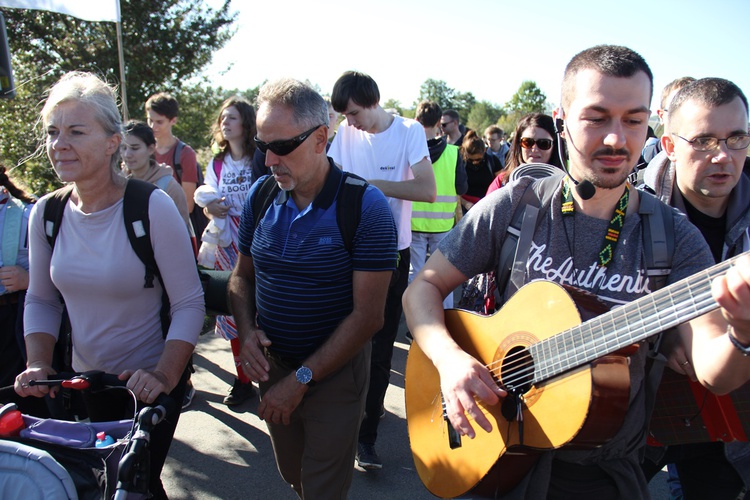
x: 304, y: 375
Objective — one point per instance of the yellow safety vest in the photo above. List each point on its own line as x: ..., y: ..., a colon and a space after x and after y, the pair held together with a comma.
x: 438, y: 217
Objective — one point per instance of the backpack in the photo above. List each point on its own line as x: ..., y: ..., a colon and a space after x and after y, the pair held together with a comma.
x: 197, y: 218
x: 137, y: 225
x: 348, y: 204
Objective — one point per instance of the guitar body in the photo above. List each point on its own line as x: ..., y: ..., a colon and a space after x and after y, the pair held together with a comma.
x: 583, y: 407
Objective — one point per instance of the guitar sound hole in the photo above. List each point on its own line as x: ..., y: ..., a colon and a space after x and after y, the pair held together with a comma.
x: 517, y: 371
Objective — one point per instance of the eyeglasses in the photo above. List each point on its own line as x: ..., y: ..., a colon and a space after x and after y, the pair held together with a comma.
x: 445, y: 124
x: 283, y: 148
x: 529, y: 142
x: 736, y: 142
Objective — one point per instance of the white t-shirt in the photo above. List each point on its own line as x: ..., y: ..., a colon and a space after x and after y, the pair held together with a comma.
x: 235, y: 182
x: 388, y: 155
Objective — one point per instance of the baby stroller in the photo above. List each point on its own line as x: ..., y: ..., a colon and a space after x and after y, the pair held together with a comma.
x: 52, y: 458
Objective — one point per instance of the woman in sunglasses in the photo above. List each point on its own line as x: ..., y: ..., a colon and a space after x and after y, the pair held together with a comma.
x: 481, y: 169
x: 534, y: 141
x: 228, y: 180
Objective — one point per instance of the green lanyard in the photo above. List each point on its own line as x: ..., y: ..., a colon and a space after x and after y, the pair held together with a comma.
x: 615, y: 223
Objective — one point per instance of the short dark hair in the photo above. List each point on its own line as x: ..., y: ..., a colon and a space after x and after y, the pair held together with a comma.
x: 357, y: 87
x: 453, y: 114
x: 141, y: 131
x: 428, y: 113
x: 712, y: 92
x: 164, y: 104
x: 494, y: 129
x: 610, y: 60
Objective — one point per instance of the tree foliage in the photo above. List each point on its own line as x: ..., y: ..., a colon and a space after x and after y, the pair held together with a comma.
x: 438, y: 91
x: 165, y: 43
x: 482, y: 115
x: 528, y: 99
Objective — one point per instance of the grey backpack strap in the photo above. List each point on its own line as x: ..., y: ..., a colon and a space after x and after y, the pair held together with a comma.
x: 514, y: 253
x: 658, y: 239
x: 523, y: 248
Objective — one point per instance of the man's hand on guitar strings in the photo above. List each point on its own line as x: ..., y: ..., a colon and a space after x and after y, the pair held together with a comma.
x: 463, y: 381
x: 732, y: 292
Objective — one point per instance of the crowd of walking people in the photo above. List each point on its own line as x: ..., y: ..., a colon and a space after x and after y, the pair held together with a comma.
x: 334, y: 231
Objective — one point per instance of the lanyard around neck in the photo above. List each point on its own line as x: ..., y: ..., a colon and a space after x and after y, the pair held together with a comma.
x: 615, y: 223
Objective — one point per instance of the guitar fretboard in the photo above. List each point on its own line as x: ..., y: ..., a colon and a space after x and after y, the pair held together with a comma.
x: 626, y: 325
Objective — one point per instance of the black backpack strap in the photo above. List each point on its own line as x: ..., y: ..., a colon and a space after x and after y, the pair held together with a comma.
x: 137, y: 224
x: 349, y: 208
x: 263, y: 198
x: 176, y: 160
x: 53, y: 213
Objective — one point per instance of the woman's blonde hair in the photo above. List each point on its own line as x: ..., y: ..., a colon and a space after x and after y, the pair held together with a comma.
x: 89, y: 89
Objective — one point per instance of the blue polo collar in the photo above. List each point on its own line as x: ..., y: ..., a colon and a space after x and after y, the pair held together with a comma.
x: 327, y: 195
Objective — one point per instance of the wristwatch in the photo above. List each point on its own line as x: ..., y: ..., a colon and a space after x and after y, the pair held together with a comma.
x: 304, y: 376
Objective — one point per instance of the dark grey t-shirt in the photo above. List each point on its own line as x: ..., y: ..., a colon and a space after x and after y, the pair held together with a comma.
x: 566, y: 252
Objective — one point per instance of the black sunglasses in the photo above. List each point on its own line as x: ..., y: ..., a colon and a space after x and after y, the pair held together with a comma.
x: 445, y: 124
x: 283, y: 148
x: 543, y: 144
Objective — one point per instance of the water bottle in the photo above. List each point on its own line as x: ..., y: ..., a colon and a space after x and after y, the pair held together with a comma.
x: 103, y: 440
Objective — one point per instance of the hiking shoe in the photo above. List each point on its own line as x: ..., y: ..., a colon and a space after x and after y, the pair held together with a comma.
x: 367, y: 457
x: 189, y: 393
x: 239, y: 393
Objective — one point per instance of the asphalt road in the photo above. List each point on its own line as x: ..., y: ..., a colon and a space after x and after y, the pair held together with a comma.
x: 225, y: 453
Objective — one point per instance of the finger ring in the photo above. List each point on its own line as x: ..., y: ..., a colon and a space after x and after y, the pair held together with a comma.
x: 685, y: 363
x: 147, y: 390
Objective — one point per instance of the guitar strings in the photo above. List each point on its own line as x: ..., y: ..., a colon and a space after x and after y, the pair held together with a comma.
x: 662, y: 299
x: 558, y: 363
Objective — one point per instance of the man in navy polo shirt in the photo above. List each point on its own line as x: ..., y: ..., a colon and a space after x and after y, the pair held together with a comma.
x: 305, y: 304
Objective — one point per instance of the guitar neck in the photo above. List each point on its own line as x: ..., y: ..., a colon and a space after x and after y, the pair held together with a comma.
x: 627, y: 325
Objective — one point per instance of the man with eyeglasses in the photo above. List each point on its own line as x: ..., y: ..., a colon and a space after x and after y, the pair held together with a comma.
x: 494, y: 137
x: 700, y: 174
x: 391, y: 153
x: 305, y: 301
x: 606, y: 93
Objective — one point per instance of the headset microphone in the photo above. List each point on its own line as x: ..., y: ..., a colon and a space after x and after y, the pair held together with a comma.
x: 585, y: 189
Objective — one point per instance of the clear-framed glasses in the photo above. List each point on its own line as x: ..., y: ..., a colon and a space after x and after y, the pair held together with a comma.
x: 735, y: 142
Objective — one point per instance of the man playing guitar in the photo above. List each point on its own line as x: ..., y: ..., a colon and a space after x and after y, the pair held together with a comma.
x: 589, y: 237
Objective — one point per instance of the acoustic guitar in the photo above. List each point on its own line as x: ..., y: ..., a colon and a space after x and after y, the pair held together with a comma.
x: 568, y: 382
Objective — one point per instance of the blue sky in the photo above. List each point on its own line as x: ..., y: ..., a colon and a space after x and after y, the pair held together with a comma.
x: 481, y: 46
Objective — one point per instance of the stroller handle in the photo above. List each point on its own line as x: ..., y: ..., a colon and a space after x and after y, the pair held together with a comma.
x: 96, y: 381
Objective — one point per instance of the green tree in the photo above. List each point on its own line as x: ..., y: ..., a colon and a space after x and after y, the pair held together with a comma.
x: 482, y: 115
x: 395, y: 105
x: 528, y: 99
x: 165, y: 43
x: 437, y: 91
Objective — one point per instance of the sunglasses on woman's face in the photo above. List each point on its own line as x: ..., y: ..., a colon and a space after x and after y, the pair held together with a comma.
x: 529, y: 142
x: 284, y: 147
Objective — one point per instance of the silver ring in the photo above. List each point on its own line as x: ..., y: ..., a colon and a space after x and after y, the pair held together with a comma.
x: 147, y: 390
x: 685, y: 363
